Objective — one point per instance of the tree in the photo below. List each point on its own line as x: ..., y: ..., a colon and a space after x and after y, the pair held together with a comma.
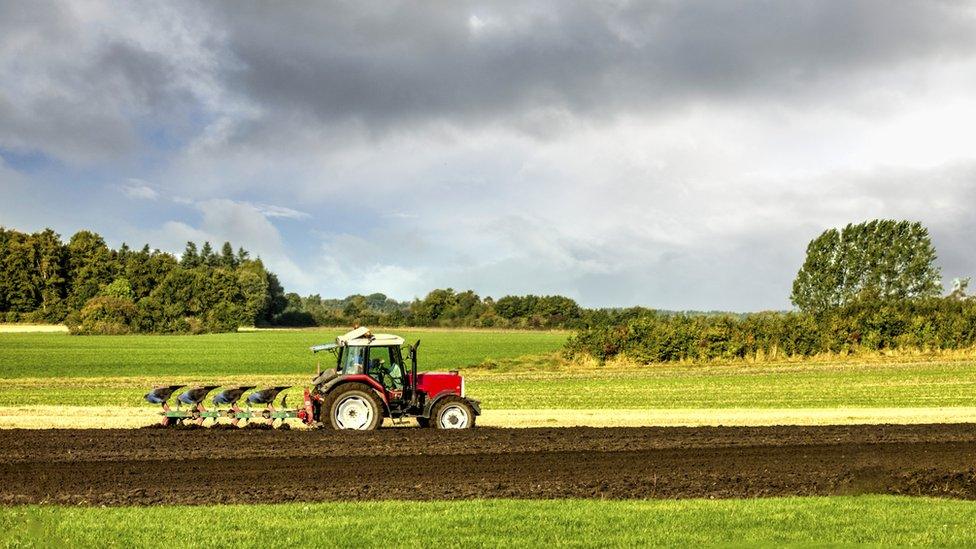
x: 880, y: 260
x: 227, y: 258
x: 23, y: 284
x: 207, y: 255
x: 276, y: 296
x: 190, y: 257
x: 253, y: 281
x: 120, y: 289
x: 90, y: 267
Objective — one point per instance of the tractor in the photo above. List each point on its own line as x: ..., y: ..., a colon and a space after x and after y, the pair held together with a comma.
x: 369, y: 382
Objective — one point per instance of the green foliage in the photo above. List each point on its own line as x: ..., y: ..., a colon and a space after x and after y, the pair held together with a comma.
x: 880, y: 259
x: 441, y: 308
x: 90, y: 267
x: 119, y: 288
x: 42, y: 279
x: 107, y: 315
x: 805, y: 521
x: 860, y: 325
x: 190, y: 258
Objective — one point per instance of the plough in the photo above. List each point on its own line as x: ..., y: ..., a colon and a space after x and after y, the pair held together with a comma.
x: 370, y: 382
x: 260, y: 405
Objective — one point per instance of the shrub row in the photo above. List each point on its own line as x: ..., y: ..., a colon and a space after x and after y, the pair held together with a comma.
x: 647, y: 336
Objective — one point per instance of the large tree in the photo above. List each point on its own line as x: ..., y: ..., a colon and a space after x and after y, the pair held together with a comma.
x: 881, y: 259
x: 52, y: 271
x: 90, y: 267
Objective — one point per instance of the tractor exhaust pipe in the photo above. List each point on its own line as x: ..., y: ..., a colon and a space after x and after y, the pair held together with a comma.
x: 413, y: 373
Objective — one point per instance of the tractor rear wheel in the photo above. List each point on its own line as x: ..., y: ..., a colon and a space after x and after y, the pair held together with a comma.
x: 353, y: 406
x: 452, y: 413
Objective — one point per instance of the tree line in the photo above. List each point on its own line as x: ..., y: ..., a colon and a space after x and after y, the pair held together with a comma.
x: 866, y: 287
x: 440, y: 307
x: 93, y: 288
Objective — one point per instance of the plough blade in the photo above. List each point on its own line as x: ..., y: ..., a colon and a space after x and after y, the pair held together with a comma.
x: 161, y: 393
x: 194, y: 397
x: 230, y: 396
x: 266, y: 395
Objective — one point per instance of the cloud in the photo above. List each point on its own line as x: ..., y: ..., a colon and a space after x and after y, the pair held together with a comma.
x: 526, y: 66
x: 139, y: 190
x: 270, y: 210
x: 670, y: 154
x: 88, y: 83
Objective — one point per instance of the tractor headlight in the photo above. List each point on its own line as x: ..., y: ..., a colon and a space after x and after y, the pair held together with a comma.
x: 462, y: 387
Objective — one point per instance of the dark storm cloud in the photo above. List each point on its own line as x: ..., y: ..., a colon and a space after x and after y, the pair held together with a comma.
x: 385, y: 64
x: 75, y: 90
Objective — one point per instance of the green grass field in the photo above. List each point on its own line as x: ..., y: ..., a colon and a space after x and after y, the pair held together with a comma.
x: 876, y: 520
x: 263, y: 352
x: 52, y: 369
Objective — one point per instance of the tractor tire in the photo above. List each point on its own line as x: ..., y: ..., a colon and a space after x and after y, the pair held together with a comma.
x: 452, y: 413
x: 353, y: 406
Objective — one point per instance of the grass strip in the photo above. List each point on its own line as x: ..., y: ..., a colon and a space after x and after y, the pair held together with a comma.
x: 876, y: 520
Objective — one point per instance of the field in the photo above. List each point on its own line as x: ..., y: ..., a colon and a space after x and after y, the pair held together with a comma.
x: 273, y: 352
x: 518, y: 376
x: 827, y: 484
x: 205, y: 466
x: 819, y: 521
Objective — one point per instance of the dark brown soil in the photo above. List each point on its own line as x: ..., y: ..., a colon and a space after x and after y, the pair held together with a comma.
x: 149, y: 466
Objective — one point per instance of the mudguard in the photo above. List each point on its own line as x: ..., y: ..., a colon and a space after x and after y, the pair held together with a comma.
x: 475, y: 404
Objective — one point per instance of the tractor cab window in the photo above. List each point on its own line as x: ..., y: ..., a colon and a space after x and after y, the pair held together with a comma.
x: 385, y: 366
x: 352, y: 360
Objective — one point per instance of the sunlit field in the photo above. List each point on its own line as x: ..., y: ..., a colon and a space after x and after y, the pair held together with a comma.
x: 506, y: 370
x: 816, y: 521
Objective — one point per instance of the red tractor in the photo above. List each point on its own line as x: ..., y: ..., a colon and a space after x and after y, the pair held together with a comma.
x: 371, y: 382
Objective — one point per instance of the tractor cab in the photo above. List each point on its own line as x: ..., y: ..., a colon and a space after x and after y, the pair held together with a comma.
x: 376, y: 364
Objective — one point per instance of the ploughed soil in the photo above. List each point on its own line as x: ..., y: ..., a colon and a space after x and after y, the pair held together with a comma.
x: 198, y: 466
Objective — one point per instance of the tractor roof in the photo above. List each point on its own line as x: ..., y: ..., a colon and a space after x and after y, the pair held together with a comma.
x: 362, y: 337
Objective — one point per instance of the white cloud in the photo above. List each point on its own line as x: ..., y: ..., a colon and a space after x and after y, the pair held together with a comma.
x: 270, y: 210
x: 139, y: 190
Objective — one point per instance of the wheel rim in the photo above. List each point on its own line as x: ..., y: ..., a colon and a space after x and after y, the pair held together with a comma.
x: 453, y: 417
x: 354, y: 412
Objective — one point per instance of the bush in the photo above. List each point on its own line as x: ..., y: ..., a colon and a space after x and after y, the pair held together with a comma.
x: 105, y: 315
x: 294, y: 319
x: 648, y: 336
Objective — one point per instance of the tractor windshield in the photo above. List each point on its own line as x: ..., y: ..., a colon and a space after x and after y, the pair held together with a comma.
x: 352, y: 360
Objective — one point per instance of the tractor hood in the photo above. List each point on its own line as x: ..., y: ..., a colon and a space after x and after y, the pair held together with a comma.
x: 434, y: 383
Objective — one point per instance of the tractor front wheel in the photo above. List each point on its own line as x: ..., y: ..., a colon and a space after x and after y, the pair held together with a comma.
x: 452, y: 413
x: 353, y: 406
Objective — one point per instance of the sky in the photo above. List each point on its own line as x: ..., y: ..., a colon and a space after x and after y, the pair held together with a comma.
x: 676, y: 155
